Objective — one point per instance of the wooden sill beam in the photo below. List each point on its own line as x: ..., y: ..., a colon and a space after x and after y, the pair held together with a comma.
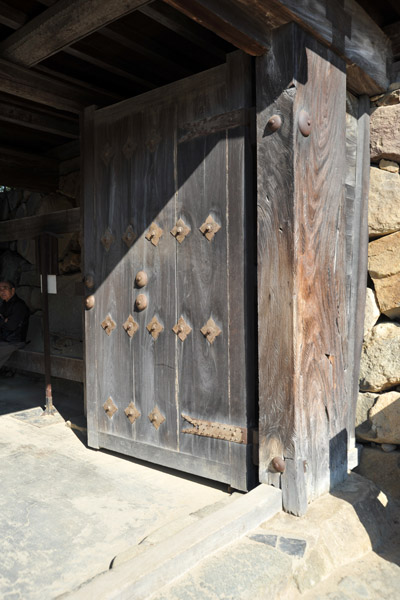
x: 37, y: 87
x: 64, y: 367
x: 62, y: 221
x: 62, y: 24
x: 38, y: 120
x: 348, y: 30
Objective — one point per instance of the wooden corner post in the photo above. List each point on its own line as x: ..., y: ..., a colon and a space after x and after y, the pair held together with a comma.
x: 301, y: 163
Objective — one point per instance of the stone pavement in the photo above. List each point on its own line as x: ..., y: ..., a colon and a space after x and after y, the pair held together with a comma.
x: 68, y: 513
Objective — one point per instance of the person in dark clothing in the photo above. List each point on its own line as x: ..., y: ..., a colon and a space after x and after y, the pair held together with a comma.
x: 14, y: 318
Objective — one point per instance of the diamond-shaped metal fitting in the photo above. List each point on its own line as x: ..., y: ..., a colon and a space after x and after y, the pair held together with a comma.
x: 107, y: 153
x: 107, y: 239
x: 154, y: 233
x: 209, y: 228
x: 180, y: 231
x: 154, y: 327
x: 182, y: 329
x: 129, y: 236
x: 109, y: 407
x: 108, y: 324
x: 130, y: 326
x: 156, y: 418
x: 129, y: 148
x: 132, y: 412
x: 210, y: 330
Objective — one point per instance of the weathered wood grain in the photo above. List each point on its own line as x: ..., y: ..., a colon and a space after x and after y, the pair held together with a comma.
x: 142, y: 175
x: 47, y: 34
x: 357, y: 186
x: 40, y: 121
x: 89, y: 269
x: 345, y: 27
x: 239, y: 27
x: 63, y: 221
x: 37, y: 87
x: 301, y: 266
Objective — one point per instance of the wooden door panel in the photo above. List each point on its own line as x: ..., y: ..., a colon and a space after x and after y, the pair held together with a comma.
x: 157, y: 158
x: 202, y: 289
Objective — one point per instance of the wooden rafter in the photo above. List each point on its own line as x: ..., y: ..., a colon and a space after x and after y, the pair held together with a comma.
x: 182, y: 26
x: 27, y: 170
x: 11, y: 17
x: 11, y: 112
x: 25, y: 83
x: 233, y: 24
x: 348, y: 30
x: 47, y: 33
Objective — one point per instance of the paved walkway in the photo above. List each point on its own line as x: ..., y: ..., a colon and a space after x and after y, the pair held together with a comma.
x: 67, y: 511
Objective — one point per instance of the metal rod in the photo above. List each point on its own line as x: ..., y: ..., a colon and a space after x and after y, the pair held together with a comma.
x: 49, y: 410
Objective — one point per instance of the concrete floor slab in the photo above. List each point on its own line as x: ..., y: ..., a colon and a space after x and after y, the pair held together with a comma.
x: 66, y: 511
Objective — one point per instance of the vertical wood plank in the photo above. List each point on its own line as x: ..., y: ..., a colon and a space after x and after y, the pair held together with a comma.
x: 241, y: 272
x: 275, y: 250
x: 89, y: 261
x: 302, y: 315
x: 357, y: 227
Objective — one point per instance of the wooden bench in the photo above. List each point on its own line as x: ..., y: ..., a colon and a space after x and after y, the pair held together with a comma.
x: 64, y: 367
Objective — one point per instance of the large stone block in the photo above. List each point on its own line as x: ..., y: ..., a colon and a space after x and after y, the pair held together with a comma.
x: 384, y: 269
x: 380, y: 358
x: 383, y: 202
x: 383, y: 419
x: 385, y: 133
x: 372, y: 312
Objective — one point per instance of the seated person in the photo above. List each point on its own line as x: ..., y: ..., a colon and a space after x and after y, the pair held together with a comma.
x: 14, y: 317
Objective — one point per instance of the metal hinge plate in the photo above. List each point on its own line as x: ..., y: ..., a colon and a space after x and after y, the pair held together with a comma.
x: 219, y: 431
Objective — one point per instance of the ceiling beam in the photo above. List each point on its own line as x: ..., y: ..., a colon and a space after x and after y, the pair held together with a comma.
x: 230, y: 21
x: 62, y: 24
x: 147, y: 48
x: 342, y: 26
x: 29, y: 171
x: 11, y: 17
x: 38, y: 120
x: 108, y: 65
x: 184, y: 27
x: 30, y: 85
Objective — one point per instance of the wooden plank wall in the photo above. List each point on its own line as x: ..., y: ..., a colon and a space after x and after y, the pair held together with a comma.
x: 357, y: 185
x: 301, y: 264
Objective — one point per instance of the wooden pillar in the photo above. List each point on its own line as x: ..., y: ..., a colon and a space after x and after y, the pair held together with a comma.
x: 301, y: 165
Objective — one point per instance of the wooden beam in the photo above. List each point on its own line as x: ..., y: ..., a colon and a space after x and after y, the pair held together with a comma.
x: 38, y: 120
x: 341, y: 25
x: 62, y: 221
x: 184, y: 27
x: 148, y: 48
x: 64, y: 367
x: 25, y: 83
x: 301, y: 266
x: 11, y: 17
x: 61, y: 25
x: 30, y: 171
x: 233, y: 23
x: 111, y: 67
x: 393, y: 33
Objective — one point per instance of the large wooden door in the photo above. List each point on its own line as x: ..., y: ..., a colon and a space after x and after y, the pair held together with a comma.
x: 168, y: 195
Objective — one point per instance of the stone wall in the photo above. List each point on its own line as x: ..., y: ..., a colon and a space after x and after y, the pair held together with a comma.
x: 18, y: 263
x: 378, y: 409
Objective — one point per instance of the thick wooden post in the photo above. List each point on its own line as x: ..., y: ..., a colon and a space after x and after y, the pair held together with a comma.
x: 301, y: 266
